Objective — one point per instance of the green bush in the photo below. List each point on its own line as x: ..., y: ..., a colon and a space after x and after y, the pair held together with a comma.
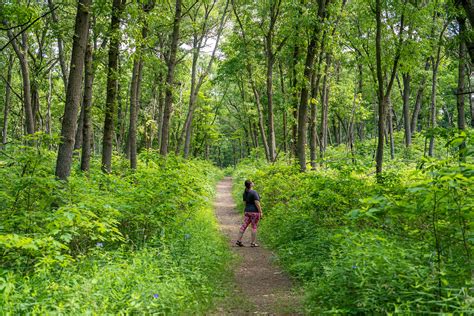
x: 127, y: 242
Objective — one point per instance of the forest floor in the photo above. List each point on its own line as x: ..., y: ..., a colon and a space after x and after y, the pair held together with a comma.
x: 260, y: 287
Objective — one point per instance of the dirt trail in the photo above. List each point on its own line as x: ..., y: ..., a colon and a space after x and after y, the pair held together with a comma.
x: 261, y: 288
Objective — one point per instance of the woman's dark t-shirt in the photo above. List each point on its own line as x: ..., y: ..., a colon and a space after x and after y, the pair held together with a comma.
x: 249, y: 198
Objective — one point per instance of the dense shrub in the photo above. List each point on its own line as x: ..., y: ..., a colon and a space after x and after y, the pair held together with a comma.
x: 127, y: 242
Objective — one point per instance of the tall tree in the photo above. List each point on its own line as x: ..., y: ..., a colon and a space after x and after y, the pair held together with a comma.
x: 111, y: 98
x: 74, y: 89
x: 406, y: 108
x: 383, y: 93
x: 62, y: 58
x: 86, y: 105
x: 460, y: 94
x: 307, y: 74
x: 271, y: 53
x: 197, y: 81
x: 135, y: 88
x: 21, y: 50
x: 7, y: 104
x: 171, y: 64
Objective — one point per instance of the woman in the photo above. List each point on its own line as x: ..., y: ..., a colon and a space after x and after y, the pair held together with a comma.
x: 252, y: 213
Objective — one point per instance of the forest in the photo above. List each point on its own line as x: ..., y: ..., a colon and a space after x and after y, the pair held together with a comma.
x: 354, y: 119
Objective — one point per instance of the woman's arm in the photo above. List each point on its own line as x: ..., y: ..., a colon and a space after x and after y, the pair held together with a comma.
x: 259, y: 207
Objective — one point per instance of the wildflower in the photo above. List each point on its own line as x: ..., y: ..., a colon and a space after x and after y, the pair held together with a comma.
x: 156, y: 295
x: 99, y: 244
x: 187, y: 236
x: 354, y: 266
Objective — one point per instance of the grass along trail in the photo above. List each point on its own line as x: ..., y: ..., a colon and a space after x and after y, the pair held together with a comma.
x: 260, y: 287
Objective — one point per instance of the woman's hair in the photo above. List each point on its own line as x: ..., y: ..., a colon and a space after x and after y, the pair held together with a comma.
x: 248, y: 184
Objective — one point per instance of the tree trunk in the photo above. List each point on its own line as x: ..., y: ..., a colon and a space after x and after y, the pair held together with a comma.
x: 294, y: 109
x: 22, y: 54
x: 406, y: 108
x: 357, y: 94
x: 285, y: 123
x: 6, y: 109
x: 132, y: 132
x: 303, y: 106
x: 469, y: 9
x: 390, y: 127
x: 87, y: 105
x: 461, y: 81
x: 432, y: 122
x: 202, y: 77
x: 307, y: 73
x: 383, y: 99
x: 380, y: 88
x: 312, y: 124
x: 48, y: 109
x: 419, y: 100
x: 313, y: 134
x: 271, y: 124
x: 79, y: 130
x: 62, y: 59
x: 73, y: 96
x: 261, y: 124
x: 171, y: 63
x: 471, y: 100
x: 111, y: 98
x: 161, y: 104
x: 325, y: 108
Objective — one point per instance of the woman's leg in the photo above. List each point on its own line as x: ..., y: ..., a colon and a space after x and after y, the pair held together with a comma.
x: 254, y: 220
x: 247, y: 220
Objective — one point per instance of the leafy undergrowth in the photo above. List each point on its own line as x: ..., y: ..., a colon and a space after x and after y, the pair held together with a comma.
x: 143, y: 242
x: 402, y: 245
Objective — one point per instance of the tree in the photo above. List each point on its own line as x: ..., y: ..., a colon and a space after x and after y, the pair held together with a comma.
x: 74, y: 89
x: 171, y: 64
x: 135, y: 88
x: 112, y: 72
x: 199, y: 39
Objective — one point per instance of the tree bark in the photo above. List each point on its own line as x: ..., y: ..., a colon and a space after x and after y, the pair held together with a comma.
x: 132, y: 131
x: 285, y: 120
x: 418, y: 101
x: 406, y: 108
x: 432, y: 122
x: 324, y: 108
x: 390, y: 127
x: 79, y: 130
x: 62, y: 59
x: 48, y: 109
x: 384, y: 98
x: 73, y: 96
x: 22, y: 54
x: 380, y: 88
x: 307, y: 73
x: 6, y: 109
x: 303, y: 106
x: 468, y: 6
x: 111, y: 98
x: 270, y: 61
x: 461, y: 81
x: 471, y: 99
x: 135, y: 91
x: 87, y: 105
x: 171, y: 63
x: 261, y: 124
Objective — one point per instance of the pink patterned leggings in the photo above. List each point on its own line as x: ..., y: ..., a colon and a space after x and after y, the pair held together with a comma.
x: 250, y: 218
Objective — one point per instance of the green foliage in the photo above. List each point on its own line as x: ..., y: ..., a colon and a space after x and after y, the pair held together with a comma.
x: 121, y: 243
x: 401, y: 245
